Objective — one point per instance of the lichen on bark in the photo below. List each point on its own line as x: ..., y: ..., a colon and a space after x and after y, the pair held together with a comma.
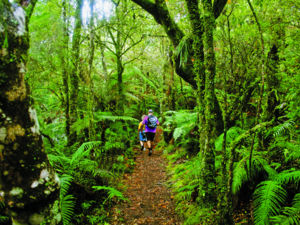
x: 22, y: 155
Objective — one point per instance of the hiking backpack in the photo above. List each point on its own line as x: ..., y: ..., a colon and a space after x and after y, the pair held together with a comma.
x: 152, y: 121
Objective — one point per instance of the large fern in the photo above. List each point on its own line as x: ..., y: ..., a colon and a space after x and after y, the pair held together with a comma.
x: 268, y: 198
x: 183, y: 121
x: 78, y: 159
x: 67, y: 204
x: 283, y: 128
x: 112, y: 192
x: 241, y: 170
x: 65, y: 182
x: 289, y: 176
x: 289, y: 215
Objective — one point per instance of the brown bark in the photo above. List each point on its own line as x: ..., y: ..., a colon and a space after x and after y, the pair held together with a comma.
x: 27, y: 182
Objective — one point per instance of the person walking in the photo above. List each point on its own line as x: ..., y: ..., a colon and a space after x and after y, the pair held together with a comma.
x: 142, y: 134
x: 150, y: 122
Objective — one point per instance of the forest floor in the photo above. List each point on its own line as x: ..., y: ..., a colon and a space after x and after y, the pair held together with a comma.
x: 149, y: 199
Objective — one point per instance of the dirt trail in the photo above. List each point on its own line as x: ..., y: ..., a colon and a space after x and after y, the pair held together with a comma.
x: 150, y: 201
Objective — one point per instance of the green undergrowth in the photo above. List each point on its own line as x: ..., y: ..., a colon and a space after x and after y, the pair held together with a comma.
x: 90, y: 174
x: 269, y: 184
x: 184, y: 171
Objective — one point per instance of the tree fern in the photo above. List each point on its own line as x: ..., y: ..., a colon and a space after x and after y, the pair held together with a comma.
x: 268, y: 198
x: 67, y: 204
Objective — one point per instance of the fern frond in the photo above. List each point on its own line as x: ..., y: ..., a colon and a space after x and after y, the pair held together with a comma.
x: 87, y: 165
x: 67, y: 209
x: 59, y: 162
x: 290, y: 215
x: 84, y: 150
x: 112, y: 192
x: 292, y: 151
x: 185, y: 122
x: 105, y: 174
x: 281, y: 129
x: 182, y: 50
x: 268, y: 198
x: 4, y: 219
x: 296, y: 200
x: 239, y: 175
x: 132, y: 97
x: 101, y: 116
x: 149, y: 82
x: 289, y: 176
x: 65, y: 183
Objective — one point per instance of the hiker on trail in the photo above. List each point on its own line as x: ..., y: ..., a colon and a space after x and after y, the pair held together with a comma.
x: 151, y: 123
x: 142, y: 134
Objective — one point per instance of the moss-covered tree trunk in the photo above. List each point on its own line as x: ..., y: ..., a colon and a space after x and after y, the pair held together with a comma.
x: 120, y: 70
x: 65, y: 63
x: 74, y: 71
x: 160, y: 12
x: 209, y: 101
x: 27, y: 183
x: 91, y: 94
x: 171, y: 86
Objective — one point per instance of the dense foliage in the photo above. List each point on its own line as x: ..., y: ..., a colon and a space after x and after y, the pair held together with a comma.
x: 223, y: 77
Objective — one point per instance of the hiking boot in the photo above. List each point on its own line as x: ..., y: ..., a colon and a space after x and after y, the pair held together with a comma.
x: 142, y: 147
x: 150, y: 152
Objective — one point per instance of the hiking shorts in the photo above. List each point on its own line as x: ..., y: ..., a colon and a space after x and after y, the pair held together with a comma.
x: 150, y: 136
x: 142, y: 136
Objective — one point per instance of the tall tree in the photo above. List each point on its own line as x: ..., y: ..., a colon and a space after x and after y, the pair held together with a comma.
x: 74, y: 71
x: 65, y: 73
x: 27, y: 183
x: 122, y: 30
x: 159, y: 10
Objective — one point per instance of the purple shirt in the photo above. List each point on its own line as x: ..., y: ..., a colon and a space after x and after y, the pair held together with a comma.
x: 147, y: 129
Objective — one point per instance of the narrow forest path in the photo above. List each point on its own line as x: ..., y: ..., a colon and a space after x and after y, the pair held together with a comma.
x: 150, y: 201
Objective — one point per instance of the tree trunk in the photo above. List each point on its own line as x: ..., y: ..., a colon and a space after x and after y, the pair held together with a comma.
x: 27, y: 183
x: 65, y: 63
x: 159, y: 11
x: 74, y: 71
x: 121, y: 97
x: 91, y: 95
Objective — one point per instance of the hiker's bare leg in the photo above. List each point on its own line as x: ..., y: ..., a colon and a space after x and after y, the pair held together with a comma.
x: 149, y: 144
